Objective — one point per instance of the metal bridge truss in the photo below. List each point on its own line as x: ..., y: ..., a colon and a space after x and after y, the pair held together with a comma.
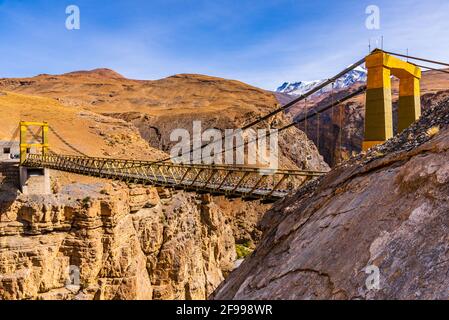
x: 243, y: 182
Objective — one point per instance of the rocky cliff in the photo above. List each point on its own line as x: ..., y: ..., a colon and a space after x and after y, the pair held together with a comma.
x: 111, y: 242
x: 375, y: 227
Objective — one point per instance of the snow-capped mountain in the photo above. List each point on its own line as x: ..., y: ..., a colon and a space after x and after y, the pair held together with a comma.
x: 359, y: 74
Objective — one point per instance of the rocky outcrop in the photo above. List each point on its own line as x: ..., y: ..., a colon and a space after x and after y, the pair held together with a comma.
x: 244, y: 218
x: 110, y: 242
x: 373, y: 228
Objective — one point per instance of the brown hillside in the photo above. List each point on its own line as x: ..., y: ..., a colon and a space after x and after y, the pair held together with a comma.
x: 157, y: 107
x: 136, y: 242
x: 105, y: 91
x: 105, y: 136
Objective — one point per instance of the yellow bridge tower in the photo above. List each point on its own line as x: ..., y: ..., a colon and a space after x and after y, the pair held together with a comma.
x: 379, y: 112
x: 33, y: 180
x: 25, y: 146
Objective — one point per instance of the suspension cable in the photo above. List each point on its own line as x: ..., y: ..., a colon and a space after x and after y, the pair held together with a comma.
x: 340, y: 134
x: 332, y: 116
x: 315, y: 89
x: 433, y: 69
x: 306, y: 110
x: 66, y: 142
x: 416, y: 58
x: 335, y: 103
x: 294, y: 123
x: 315, y: 112
x: 327, y: 107
x: 332, y: 99
x: 36, y: 136
x: 304, y: 96
x: 318, y: 132
x: 13, y: 135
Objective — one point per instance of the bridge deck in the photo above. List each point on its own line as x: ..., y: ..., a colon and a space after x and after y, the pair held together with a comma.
x: 245, y: 182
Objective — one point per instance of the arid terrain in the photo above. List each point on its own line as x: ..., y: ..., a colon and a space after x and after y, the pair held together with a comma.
x: 158, y: 107
x: 128, y: 242
x: 227, y: 152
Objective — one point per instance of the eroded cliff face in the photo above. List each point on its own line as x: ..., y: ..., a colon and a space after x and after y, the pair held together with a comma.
x: 110, y: 242
x: 384, y: 211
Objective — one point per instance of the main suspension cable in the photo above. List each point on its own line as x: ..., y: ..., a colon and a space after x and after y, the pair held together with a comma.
x: 294, y: 123
x: 433, y: 69
x: 332, y: 104
x: 66, y: 142
x: 416, y: 58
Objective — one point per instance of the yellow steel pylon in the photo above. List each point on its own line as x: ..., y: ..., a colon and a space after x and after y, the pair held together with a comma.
x: 379, y: 111
x: 24, y: 145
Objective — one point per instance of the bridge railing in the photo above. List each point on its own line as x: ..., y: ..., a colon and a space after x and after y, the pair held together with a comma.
x: 238, y: 181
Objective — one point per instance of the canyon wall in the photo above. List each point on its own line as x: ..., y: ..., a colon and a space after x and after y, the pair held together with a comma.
x: 110, y: 242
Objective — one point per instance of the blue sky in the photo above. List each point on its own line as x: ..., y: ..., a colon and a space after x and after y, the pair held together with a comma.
x: 263, y: 43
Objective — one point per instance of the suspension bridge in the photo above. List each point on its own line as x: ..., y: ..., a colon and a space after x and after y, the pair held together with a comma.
x: 245, y: 182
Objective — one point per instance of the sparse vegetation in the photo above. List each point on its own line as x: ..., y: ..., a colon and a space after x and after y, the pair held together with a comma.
x: 86, y: 202
x: 242, y: 251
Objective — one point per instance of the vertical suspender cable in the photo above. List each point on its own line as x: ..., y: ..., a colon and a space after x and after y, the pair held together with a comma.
x: 318, y: 131
x: 305, y: 111
x: 309, y: 93
x: 332, y: 118
x: 341, y: 133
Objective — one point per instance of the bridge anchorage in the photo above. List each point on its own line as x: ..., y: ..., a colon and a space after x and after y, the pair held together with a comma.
x: 246, y: 182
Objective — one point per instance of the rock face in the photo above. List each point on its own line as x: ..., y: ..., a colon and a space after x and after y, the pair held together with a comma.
x: 244, y: 218
x: 112, y: 243
x: 295, y: 149
x: 386, y: 211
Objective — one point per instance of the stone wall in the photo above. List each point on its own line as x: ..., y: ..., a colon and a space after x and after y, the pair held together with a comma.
x: 9, y: 174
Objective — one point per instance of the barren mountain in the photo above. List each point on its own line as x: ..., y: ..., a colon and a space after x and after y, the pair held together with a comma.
x: 88, y: 132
